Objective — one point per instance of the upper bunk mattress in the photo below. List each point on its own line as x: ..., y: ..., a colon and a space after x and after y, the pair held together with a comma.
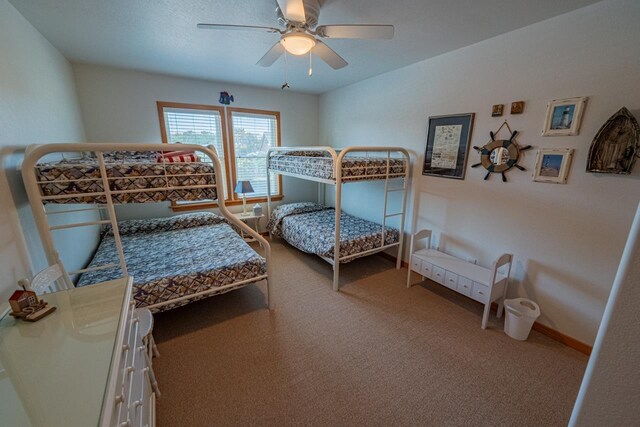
x: 177, y: 256
x: 134, y: 177
x: 311, y: 228
x: 319, y: 164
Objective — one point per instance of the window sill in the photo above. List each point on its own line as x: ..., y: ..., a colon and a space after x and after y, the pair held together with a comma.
x: 210, y: 205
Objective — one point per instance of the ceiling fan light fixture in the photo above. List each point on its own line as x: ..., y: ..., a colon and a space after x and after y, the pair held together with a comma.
x: 298, y: 43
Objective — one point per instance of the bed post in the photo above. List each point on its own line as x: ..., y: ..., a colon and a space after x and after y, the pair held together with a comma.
x: 337, y: 203
x: 213, y: 155
x: 39, y: 213
x: 407, y: 174
x: 268, y: 191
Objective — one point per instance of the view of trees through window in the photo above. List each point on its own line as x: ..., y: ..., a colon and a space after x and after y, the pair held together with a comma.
x: 251, y: 135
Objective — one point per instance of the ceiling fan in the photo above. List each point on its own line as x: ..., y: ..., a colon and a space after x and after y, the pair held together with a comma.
x: 301, y: 35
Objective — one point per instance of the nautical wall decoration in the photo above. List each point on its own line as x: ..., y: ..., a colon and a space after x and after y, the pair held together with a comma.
x: 616, y: 145
x: 564, y: 117
x: 225, y: 98
x: 500, y: 155
x: 552, y: 165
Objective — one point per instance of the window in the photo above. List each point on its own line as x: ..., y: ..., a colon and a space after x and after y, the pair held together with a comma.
x: 252, y: 134
x: 242, y: 157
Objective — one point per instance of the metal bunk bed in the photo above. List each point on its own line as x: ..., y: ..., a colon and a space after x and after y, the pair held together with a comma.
x: 91, y: 176
x: 325, y: 165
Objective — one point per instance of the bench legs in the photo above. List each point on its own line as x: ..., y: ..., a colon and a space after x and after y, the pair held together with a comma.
x: 485, y: 316
x: 500, y: 308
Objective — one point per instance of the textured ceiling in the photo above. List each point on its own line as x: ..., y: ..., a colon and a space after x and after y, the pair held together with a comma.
x: 161, y: 35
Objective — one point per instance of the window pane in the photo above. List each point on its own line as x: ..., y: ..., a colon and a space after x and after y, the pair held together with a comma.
x: 201, y: 127
x: 253, y: 135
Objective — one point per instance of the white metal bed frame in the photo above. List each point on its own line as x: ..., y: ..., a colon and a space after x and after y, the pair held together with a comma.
x: 35, y: 153
x: 338, y: 182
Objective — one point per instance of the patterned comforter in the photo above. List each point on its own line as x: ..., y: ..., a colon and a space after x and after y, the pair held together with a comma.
x: 126, y: 170
x: 177, y: 256
x: 311, y: 228
x: 319, y: 164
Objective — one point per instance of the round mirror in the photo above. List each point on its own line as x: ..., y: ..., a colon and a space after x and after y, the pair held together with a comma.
x: 499, y: 156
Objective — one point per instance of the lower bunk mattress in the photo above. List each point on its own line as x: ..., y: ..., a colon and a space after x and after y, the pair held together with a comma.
x: 311, y: 227
x: 177, y: 257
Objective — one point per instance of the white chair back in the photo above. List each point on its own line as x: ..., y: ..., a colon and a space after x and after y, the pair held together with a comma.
x: 500, y: 262
x: 44, y: 281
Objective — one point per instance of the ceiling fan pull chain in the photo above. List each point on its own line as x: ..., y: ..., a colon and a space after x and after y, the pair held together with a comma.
x: 286, y: 80
x: 310, y: 65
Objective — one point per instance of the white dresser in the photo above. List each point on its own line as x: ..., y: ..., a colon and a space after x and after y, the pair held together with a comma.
x: 479, y: 283
x: 83, y: 365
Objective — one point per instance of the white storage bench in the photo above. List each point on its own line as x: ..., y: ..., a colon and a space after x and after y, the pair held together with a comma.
x: 482, y: 284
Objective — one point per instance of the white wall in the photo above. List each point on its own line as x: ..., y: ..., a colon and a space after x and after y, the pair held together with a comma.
x: 567, y: 239
x: 37, y: 105
x: 610, y: 390
x: 120, y: 105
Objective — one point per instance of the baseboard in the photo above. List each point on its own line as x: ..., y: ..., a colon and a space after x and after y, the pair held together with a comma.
x: 564, y: 339
x: 537, y: 326
x: 392, y: 258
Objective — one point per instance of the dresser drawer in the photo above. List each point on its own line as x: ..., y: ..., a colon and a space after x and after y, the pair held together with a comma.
x: 426, y: 269
x: 480, y: 292
x: 416, y: 264
x: 464, y: 286
x: 451, y: 280
x: 437, y: 274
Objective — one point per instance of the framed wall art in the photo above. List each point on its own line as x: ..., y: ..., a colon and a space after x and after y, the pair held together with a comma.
x: 552, y: 165
x: 564, y: 116
x: 447, y: 148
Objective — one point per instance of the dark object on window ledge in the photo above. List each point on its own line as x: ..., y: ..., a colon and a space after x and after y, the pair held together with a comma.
x: 616, y: 145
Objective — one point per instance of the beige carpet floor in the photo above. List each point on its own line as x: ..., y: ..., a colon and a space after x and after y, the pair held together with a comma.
x: 374, y: 354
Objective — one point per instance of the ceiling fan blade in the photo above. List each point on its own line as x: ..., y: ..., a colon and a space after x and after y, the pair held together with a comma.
x: 356, y: 31
x: 238, y: 27
x: 327, y: 54
x: 271, y: 56
x: 293, y: 10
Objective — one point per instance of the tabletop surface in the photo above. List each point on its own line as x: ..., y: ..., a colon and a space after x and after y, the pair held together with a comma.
x: 55, y: 371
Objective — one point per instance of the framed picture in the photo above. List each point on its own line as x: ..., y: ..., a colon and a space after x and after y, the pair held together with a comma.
x: 448, y: 145
x: 552, y: 165
x: 496, y: 110
x: 564, y: 117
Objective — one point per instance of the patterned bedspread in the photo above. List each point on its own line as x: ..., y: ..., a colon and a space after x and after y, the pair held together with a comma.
x: 319, y: 164
x: 177, y: 256
x: 311, y: 227
x: 130, y: 170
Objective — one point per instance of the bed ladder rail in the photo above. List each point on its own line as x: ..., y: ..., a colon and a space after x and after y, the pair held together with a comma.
x: 388, y: 190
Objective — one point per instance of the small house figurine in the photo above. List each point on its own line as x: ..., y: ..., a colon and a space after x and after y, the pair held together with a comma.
x: 26, y: 305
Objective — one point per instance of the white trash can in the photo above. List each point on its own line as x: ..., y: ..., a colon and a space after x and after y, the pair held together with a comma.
x: 519, y: 317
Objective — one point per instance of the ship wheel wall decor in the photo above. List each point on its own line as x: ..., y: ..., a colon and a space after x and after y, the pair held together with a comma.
x: 500, y: 155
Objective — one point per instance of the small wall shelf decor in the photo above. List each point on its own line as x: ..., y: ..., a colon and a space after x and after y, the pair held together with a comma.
x: 616, y: 145
x: 448, y: 145
x: 552, y: 165
x: 517, y: 107
x: 500, y: 155
x: 496, y: 110
x: 564, y: 116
